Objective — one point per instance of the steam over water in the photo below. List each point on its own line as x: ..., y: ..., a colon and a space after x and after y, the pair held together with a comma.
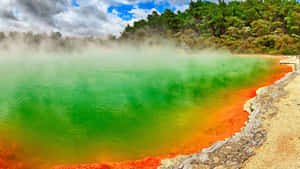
x: 113, y: 104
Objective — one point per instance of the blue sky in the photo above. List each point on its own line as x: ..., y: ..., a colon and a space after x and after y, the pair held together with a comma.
x: 74, y: 3
x: 124, y: 10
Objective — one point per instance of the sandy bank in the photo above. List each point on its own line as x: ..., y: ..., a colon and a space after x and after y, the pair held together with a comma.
x: 271, y: 135
x: 281, y: 150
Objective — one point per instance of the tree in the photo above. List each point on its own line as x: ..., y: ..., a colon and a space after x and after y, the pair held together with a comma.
x: 260, y: 27
x: 293, y: 22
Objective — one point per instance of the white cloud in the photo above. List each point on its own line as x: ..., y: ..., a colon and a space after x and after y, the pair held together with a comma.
x: 91, y: 18
x: 181, y: 7
x: 141, y: 13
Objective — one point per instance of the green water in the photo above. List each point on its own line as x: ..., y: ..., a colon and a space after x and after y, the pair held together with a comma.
x: 127, y: 102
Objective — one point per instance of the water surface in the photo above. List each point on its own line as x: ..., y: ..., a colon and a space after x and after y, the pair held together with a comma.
x: 108, y: 105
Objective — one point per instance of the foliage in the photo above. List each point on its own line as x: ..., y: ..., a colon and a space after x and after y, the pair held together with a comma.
x: 267, y: 26
x: 260, y: 27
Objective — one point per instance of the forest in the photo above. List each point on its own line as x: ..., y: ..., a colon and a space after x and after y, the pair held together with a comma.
x: 250, y: 26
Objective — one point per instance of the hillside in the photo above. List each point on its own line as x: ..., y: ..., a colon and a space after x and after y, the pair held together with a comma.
x: 251, y: 26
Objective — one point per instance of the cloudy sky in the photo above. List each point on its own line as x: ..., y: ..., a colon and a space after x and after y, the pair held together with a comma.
x: 79, y: 17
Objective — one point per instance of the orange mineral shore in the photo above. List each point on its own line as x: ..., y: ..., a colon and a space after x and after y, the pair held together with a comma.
x: 227, y: 119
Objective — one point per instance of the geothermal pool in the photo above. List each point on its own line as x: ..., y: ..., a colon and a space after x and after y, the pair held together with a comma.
x: 105, y: 105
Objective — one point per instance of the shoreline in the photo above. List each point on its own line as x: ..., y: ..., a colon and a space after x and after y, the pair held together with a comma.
x: 233, y: 152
